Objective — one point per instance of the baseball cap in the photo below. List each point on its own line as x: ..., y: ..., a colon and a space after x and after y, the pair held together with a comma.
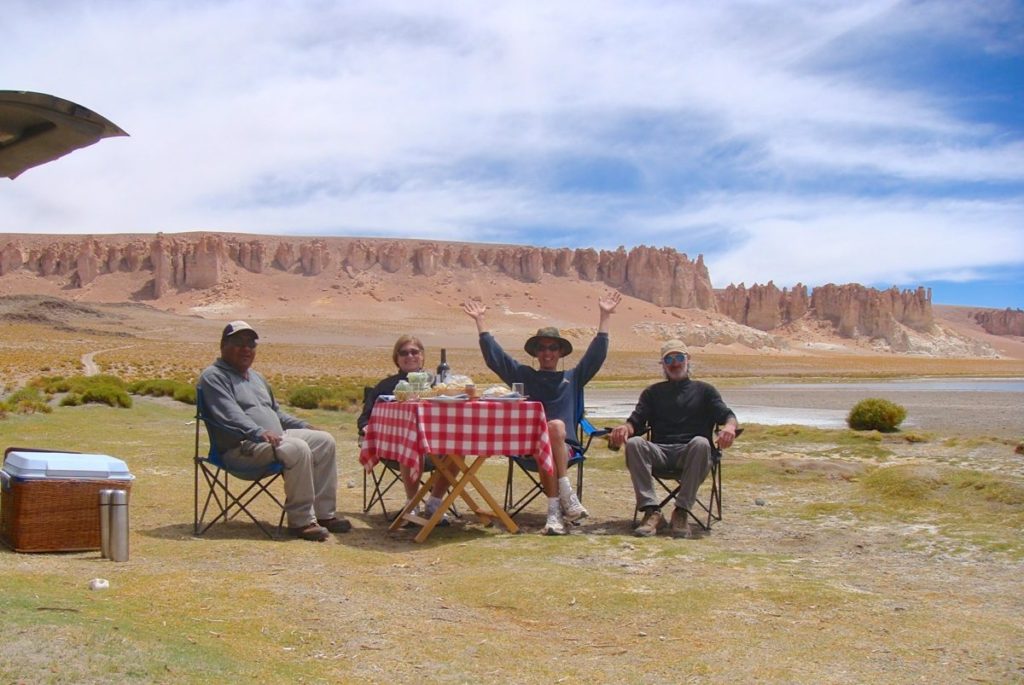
x: 237, y: 327
x: 673, y: 346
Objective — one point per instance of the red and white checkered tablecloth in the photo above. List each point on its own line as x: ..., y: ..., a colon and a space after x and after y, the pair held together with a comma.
x: 407, y: 431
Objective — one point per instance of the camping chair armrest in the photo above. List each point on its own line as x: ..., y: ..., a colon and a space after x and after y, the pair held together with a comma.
x: 588, y: 429
x: 716, y: 452
x: 739, y: 431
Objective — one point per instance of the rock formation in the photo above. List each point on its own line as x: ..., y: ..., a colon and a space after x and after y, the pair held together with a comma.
x: 10, y: 259
x: 1001, y: 322
x: 87, y: 264
x: 663, y: 276
x: 859, y: 311
x: 199, y: 261
x: 852, y: 309
x: 763, y: 307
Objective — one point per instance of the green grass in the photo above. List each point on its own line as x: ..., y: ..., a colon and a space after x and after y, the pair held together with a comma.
x: 371, y: 607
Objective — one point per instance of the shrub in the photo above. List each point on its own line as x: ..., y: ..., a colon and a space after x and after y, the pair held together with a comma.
x: 52, y: 384
x: 876, y: 414
x: 154, y: 387
x: 101, y: 389
x: 72, y: 399
x: 165, y: 387
x: 308, y: 396
x: 103, y: 393
x: 27, y: 400
x: 186, y: 393
x: 335, y: 404
x: 334, y: 396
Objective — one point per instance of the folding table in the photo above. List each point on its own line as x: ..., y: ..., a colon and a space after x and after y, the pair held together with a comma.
x: 458, y: 436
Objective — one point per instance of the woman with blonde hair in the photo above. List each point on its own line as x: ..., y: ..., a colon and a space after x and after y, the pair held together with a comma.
x: 408, y: 354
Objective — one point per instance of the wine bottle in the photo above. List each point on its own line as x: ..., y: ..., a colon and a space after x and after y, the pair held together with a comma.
x: 443, y: 370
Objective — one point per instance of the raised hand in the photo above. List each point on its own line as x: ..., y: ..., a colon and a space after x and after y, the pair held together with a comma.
x: 474, y: 309
x: 609, y: 302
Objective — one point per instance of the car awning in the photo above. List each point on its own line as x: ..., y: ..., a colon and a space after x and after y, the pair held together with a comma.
x: 36, y: 128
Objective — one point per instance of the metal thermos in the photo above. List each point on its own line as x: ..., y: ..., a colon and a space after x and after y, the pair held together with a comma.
x: 105, y: 523
x: 119, y: 525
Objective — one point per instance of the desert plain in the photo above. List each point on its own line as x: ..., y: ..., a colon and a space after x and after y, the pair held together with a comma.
x: 842, y: 557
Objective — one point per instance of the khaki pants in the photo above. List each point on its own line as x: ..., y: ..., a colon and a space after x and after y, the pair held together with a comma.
x: 690, y: 464
x: 310, y: 471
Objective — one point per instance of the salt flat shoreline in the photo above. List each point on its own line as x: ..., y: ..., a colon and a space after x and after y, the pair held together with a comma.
x: 998, y: 414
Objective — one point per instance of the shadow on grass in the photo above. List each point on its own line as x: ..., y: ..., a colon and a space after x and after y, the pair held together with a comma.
x: 232, y: 530
x: 374, y: 534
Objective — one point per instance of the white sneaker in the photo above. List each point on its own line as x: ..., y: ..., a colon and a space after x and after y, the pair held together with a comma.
x: 573, y: 510
x: 554, y: 525
x: 428, y: 512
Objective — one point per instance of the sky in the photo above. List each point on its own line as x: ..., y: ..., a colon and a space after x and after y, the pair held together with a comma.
x: 878, y: 142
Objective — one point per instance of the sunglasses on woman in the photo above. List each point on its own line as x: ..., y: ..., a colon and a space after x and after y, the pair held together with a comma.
x: 408, y: 353
x: 678, y: 358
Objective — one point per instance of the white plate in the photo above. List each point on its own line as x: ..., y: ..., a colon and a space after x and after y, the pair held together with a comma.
x: 447, y: 399
x: 504, y: 398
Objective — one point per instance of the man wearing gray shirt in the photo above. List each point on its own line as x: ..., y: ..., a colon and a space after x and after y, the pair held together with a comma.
x: 251, y: 431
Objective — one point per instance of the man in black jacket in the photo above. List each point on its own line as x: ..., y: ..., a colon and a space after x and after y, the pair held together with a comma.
x: 681, y: 415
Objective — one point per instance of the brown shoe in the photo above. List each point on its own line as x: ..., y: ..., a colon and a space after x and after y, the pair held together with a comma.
x: 680, y: 526
x: 311, y: 531
x: 653, y: 520
x: 336, y: 524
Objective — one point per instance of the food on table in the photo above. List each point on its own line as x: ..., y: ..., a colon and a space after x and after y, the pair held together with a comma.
x: 403, y: 391
x: 456, y: 385
x: 497, y: 391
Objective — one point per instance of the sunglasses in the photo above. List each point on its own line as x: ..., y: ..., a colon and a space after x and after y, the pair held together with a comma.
x: 678, y: 358
x: 551, y: 347
x: 408, y: 353
x: 251, y: 344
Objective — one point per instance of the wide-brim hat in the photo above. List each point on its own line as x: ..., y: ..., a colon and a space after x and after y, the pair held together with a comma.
x: 547, y: 332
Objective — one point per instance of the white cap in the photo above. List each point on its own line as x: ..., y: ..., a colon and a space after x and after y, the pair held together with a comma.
x: 237, y: 327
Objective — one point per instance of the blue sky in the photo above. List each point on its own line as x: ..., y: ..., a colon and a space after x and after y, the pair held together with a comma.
x: 879, y: 142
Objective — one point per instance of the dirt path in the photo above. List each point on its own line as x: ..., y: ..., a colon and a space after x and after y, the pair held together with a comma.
x: 89, y: 365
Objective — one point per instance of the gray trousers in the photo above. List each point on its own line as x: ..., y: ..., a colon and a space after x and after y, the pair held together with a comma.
x: 690, y: 464
x: 310, y: 471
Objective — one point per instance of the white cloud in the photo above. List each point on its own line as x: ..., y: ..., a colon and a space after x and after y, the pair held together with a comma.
x: 470, y: 121
x: 870, y: 241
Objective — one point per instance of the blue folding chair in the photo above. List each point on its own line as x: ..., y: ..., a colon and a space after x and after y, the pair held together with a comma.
x: 578, y: 446
x: 224, y: 499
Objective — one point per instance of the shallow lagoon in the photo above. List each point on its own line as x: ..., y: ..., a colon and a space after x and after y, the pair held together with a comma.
x: 992, y: 406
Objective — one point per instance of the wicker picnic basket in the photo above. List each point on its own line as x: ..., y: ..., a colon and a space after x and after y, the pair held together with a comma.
x: 45, y: 514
